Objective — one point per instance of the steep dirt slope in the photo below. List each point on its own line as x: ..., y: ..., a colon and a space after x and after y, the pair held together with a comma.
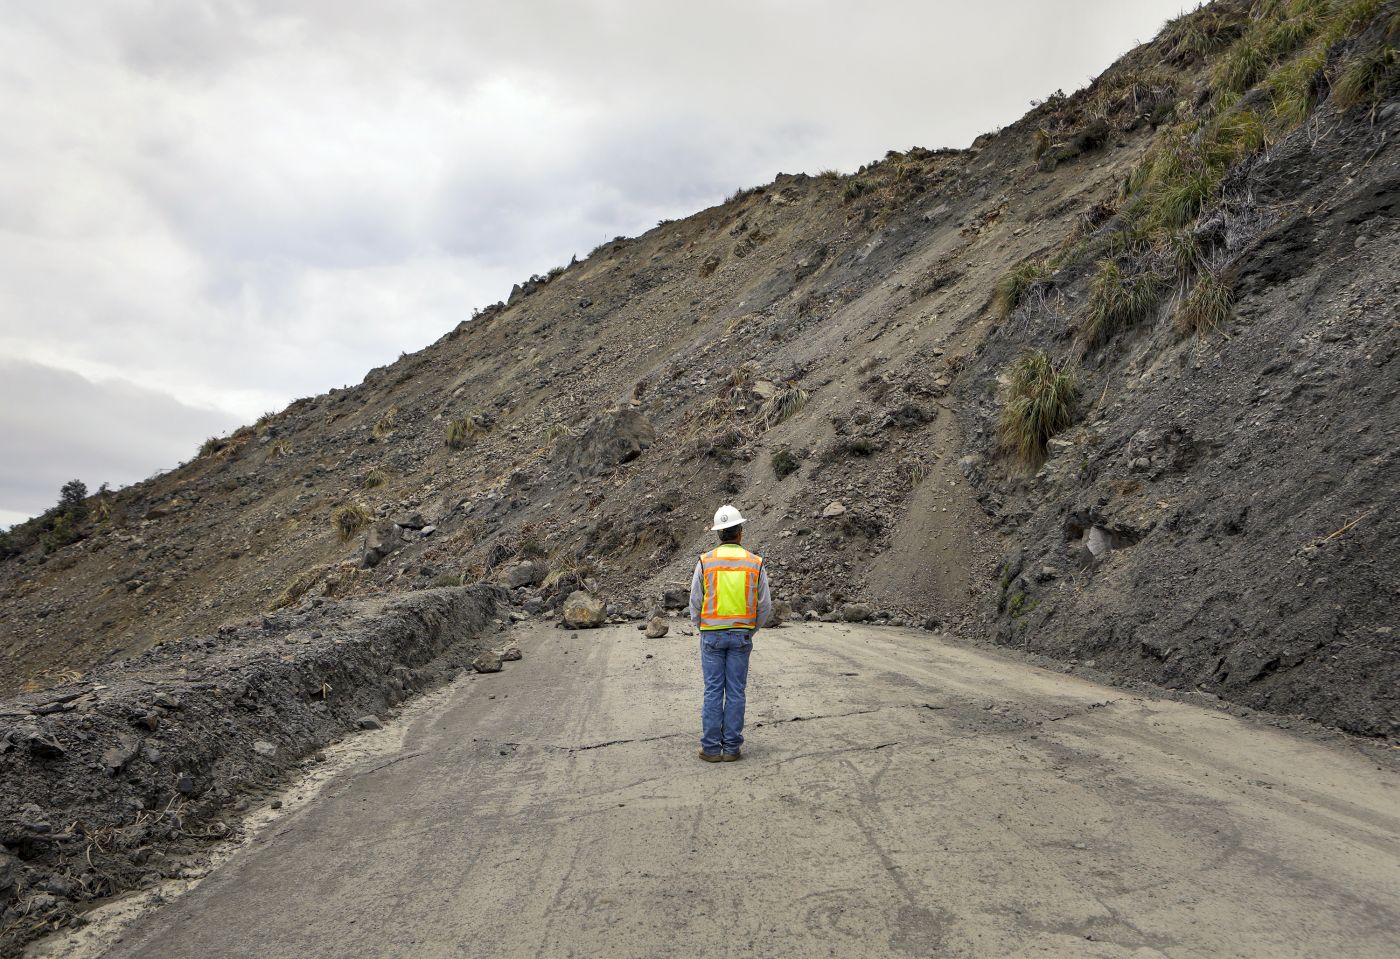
x: 836, y: 340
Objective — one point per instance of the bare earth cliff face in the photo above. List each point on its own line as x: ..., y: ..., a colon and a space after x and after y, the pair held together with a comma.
x: 1203, y: 240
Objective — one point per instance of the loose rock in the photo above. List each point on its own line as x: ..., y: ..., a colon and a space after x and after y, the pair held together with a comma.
x: 488, y: 662
x: 583, y: 610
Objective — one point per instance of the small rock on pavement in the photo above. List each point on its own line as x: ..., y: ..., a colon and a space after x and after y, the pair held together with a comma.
x: 833, y: 509
x: 657, y: 627
x: 511, y: 653
x: 488, y: 662
x: 583, y: 610
x: 369, y: 722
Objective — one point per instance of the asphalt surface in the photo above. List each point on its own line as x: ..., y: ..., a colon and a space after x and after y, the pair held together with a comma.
x: 899, y: 796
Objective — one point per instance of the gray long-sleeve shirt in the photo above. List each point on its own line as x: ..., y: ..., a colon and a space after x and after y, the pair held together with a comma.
x: 697, y: 596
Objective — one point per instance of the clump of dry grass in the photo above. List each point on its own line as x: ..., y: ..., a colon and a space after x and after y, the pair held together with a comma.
x: 787, y: 401
x: 463, y: 430
x: 349, y: 518
x: 385, y: 424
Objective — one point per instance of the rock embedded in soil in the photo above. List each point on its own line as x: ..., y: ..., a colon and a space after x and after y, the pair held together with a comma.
x: 526, y: 573
x: 381, y: 540
x: 833, y: 509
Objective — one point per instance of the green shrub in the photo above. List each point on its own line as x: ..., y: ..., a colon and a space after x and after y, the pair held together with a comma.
x: 1116, y: 302
x: 1039, y: 405
x: 62, y: 531
x: 1208, y: 306
x: 349, y: 519
x: 784, y: 463
x: 1015, y: 283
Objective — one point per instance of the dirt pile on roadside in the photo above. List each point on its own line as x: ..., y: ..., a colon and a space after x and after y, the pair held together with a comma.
x: 1200, y: 246
x: 120, y: 780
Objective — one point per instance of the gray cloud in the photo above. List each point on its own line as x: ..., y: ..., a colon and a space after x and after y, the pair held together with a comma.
x: 237, y: 202
x: 56, y: 426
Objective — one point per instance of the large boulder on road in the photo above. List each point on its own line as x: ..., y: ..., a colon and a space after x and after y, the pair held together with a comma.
x: 584, y: 610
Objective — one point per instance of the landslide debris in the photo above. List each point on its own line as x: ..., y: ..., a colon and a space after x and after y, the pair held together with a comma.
x: 125, y: 777
x: 1201, y: 243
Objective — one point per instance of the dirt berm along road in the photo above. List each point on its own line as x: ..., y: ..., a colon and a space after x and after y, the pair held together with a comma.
x: 900, y: 796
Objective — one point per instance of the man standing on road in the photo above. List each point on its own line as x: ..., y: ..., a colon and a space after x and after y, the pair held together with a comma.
x: 729, y: 600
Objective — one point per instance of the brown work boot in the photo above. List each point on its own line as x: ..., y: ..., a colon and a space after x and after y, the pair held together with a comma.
x: 733, y: 757
x: 711, y: 757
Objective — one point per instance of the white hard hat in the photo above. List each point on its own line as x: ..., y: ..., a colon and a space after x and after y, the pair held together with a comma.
x: 727, y: 516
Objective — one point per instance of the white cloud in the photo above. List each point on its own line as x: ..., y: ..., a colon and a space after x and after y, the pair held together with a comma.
x: 237, y: 202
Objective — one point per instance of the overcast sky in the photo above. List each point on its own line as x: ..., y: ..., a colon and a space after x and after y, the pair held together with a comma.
x: 208, y: 209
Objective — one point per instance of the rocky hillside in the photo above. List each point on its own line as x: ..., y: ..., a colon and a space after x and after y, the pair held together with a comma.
x: 1116, y: 384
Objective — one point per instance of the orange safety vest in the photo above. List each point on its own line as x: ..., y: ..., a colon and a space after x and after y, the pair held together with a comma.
x: 730, y: 576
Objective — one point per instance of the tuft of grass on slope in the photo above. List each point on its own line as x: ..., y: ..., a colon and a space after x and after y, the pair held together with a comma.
x: 1116, y: 302
x: 1039, y: 405
x: 1208, y: 306
x: 349, y: 518
x: 1366, y: 78
x: 1016, y: 283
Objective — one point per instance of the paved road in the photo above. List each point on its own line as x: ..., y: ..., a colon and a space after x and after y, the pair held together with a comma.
x: 900, y: 797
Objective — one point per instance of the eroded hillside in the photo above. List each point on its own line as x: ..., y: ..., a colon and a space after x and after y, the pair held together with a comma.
x: 1202, y: 243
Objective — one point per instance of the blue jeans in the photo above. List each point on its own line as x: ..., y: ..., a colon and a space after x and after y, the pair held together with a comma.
x: 724, y: 661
